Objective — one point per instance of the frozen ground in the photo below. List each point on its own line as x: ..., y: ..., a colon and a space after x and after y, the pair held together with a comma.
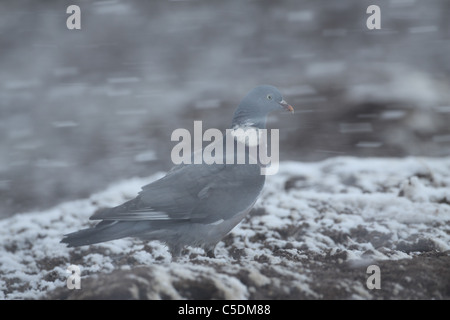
x: 83, y: 110
x: 312, y: 235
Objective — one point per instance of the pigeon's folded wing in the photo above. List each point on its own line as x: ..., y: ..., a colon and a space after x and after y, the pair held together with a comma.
x: 189, y: 192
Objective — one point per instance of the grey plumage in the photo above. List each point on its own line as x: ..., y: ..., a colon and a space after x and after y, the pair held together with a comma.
x: 193, y: 204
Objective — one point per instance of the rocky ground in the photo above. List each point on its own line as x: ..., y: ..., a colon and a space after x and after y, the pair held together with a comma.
x: 312, y: 235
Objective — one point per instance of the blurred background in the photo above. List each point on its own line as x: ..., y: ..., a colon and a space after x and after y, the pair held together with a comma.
x: 81, y: 109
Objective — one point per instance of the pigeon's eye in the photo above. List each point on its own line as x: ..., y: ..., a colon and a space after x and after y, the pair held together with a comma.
x: 269, y: 97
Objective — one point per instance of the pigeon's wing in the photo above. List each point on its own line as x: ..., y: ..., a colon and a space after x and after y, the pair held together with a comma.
x: 235, y: 190
x: 200, y: 193
x: 196, y: 192
x: 171, y: 197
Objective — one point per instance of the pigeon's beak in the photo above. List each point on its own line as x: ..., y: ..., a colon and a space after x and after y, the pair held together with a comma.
x: 286, y: 106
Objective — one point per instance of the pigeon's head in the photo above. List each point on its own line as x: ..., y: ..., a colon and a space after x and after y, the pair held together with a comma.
x: 257, y: 104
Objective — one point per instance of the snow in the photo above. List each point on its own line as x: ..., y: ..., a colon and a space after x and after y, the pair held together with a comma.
x: 64, y: 124
x: 355, y: 127
x: 146, y: 156
x: 423, y: 29
x: 300, y: 16
x: 358, y: 210
x: 442, y: 109
x: 208, y: 104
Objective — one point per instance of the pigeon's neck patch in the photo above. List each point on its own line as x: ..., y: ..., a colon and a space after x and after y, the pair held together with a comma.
x: 249, y: 135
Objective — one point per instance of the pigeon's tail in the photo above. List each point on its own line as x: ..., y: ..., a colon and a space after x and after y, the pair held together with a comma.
x: 105, y: 231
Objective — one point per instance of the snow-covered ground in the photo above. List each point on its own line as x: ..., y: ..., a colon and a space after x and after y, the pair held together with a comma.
x: 312, y: 234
